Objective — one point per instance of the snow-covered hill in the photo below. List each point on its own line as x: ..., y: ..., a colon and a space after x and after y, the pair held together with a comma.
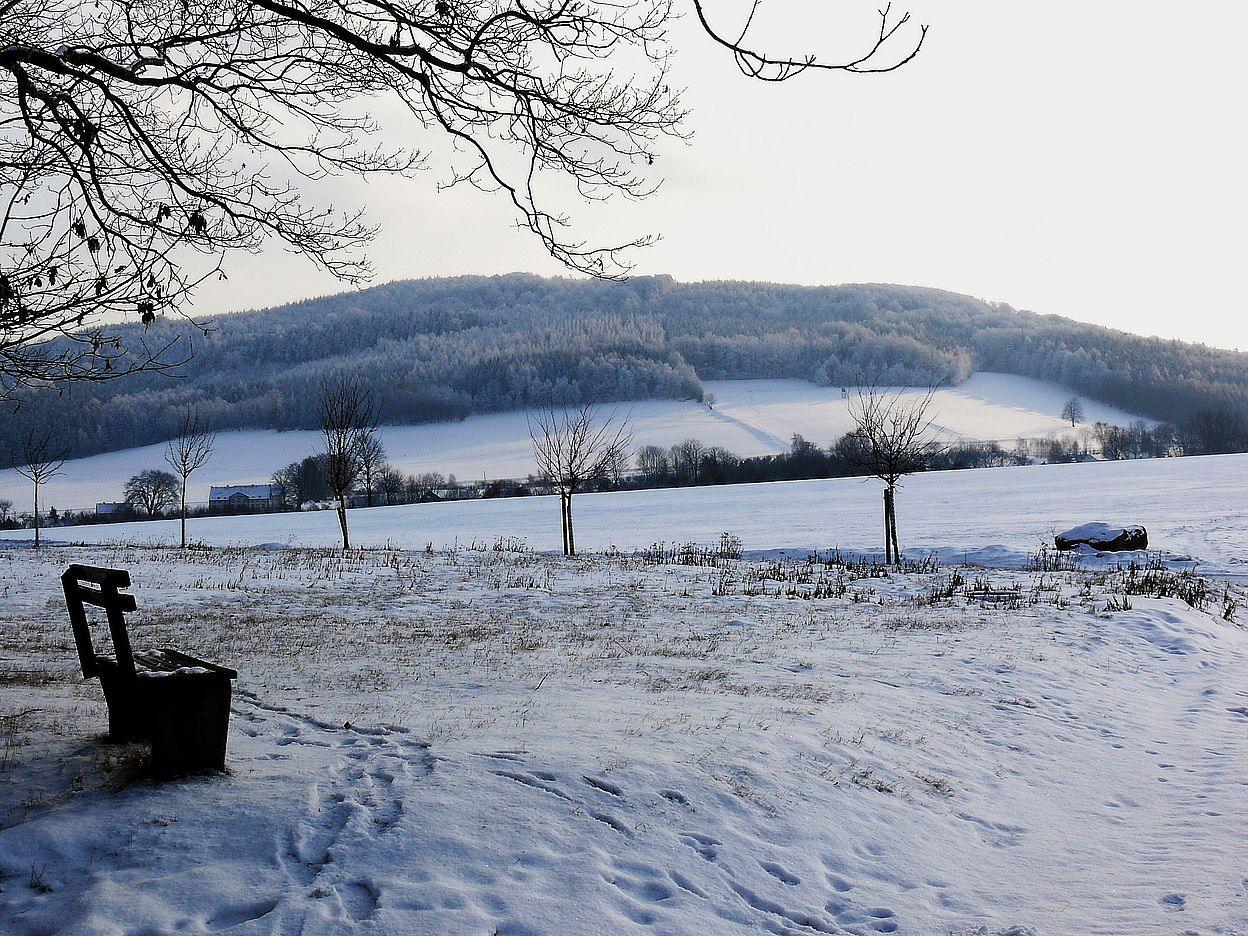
x: 749, y: 417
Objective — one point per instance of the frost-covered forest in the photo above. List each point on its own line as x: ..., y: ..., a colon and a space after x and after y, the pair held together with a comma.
x: 441, y: 349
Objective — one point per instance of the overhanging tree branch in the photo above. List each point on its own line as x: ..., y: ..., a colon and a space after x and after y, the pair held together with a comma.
x: 143, y: 141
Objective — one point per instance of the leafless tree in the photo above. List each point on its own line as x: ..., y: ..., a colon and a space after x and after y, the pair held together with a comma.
x: 372, y: 463
x: 573, y: 447
x: 1072, y: 409
x: 6, y: 509
x: 892, y: 429
x: 152, y: 490
x: 42, y: 458
x: 186, y: 453
x: 391, y: 484
x: 687, y: 459
x: 143, y: 141
x: 348, y: 421
x: 652, y: 462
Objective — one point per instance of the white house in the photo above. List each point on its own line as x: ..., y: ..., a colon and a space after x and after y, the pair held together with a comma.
x: 243, y: 496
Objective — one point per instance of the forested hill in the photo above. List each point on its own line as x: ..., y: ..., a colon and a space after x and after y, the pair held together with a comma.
x: 443, y: 348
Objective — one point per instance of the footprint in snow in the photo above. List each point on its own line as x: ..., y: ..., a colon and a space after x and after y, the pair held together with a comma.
x: 704, y: 845
x: 780, y: 874
x: 604, y: 785
x: 675, y: 796
x: 1173, y: 903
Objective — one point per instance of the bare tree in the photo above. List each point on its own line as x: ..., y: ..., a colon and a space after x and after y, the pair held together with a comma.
x: 427, y: 485
x: 187, y: 452
x: 152, y: 490
x: 652, y: 462
x: 892, y: 432
x: 6, y: 509
x: 391, y: 484
x: 42, y: 459
x: 687, y: 459
x: 145, y: 141
x: 372, y: 463
x: 573, y: 447
x: 348, y: 420
x: 1072, y: 409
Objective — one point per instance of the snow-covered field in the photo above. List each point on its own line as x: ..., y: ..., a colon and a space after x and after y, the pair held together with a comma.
x: 492, y: 740
x: 1191, y: 507
x: 750, y: 417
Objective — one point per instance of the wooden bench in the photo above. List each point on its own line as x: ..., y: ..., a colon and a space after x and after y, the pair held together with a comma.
x: 178, y: 702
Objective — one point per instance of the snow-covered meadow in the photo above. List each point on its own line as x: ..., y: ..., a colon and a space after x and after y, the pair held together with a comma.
x: 750, y: 417
x: 495, y: 740
x: 1195, y: 508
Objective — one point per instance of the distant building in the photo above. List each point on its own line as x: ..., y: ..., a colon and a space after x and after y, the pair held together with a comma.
x: 244, y: 496
x: 108, y: 509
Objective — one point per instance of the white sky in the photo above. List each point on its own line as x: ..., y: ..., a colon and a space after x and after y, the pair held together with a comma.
x: 1078, y: 158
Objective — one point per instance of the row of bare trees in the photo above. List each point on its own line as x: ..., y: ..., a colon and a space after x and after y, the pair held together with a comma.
x: 576, y: 446
x: 43, y: 457
x: 573, y: 448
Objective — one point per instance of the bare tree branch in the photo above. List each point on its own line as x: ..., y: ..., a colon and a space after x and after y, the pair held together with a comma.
x: 768, y: 67
x: 144, y: 141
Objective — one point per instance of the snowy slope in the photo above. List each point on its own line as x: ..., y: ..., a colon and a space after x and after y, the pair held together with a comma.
x: 1195, y: 507
x: 751, y: 417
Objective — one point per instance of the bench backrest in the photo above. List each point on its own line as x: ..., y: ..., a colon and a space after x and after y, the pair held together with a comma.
x: 99, y: 587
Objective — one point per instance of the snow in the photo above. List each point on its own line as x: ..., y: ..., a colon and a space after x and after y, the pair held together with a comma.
x: 493, y: 741
x: 750, y: 417
x: 1192, y: 507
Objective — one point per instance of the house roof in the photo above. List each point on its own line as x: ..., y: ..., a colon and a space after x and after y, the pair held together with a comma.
x: 226, y: 491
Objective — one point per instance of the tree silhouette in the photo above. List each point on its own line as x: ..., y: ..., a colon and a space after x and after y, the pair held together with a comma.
x: 892, y: 431
x: 348, y: 421
x: 186, y: 453
x: 42, y: 459
x: 151, y: 489
x: 1072, y: 410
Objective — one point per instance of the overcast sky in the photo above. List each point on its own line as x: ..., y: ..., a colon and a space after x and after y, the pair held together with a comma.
x: 1080, y: 158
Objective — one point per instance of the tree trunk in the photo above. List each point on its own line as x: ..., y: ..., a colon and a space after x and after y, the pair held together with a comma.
x: 888, y: 541
x: 342, y: 521
x: 184, y: 511
x: 36, y: 514
x: 892, y: 524
x: 563, y: 525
